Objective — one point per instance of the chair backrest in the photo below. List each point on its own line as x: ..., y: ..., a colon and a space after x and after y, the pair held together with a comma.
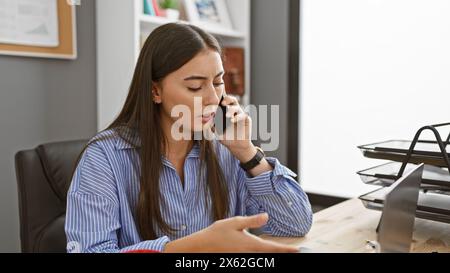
x: 43, y: 178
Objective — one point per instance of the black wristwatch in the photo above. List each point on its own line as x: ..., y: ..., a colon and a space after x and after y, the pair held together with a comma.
x: 247, y: 166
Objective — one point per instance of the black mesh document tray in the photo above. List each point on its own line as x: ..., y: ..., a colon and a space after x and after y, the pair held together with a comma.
x: 427, y: 152
x: 433, y: 178
x: 430, y: 206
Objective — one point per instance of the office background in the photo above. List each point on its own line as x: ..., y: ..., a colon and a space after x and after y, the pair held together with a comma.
x: 45, y: 100
x: 344, y: 74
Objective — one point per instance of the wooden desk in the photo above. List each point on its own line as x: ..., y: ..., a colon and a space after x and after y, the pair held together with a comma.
x: 345, y: 227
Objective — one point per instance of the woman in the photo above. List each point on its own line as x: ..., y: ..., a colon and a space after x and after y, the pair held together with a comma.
x: 138, y: 187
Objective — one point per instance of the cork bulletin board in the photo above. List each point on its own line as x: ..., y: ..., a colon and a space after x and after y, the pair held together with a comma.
x: 62, y: 44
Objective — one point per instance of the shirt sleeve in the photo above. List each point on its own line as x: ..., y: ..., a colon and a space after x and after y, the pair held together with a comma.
x: 280, y: 195
x: 92, y: 215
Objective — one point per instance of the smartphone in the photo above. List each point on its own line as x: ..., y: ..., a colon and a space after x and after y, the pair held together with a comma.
x: 221, y: 121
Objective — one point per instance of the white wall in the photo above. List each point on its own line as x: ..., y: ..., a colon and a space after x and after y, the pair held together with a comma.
x: 371, y: 70
x: 115, y: 26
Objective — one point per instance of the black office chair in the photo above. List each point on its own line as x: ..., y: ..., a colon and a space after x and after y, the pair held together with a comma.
x: 43, y: 178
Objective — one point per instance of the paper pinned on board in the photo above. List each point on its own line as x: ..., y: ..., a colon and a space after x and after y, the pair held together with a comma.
x: 29, y: 22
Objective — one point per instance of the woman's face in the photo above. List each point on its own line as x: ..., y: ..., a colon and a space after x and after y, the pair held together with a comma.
x: 197, y: 87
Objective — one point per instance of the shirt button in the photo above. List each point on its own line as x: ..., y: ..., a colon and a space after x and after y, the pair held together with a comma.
x: 183, y: 227
x: 289, y: 203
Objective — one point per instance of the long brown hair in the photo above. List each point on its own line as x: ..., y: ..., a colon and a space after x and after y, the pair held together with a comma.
x: 166, y: 50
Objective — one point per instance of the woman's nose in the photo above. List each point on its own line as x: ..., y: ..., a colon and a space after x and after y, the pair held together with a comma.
x: 211, y: 98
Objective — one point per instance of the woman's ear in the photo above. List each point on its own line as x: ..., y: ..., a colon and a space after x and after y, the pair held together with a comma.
x: 156, y: 93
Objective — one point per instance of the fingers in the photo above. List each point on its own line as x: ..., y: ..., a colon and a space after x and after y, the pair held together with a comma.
x: 240, y: 240
x: 240, y: 117
x: 233, y: 110
x: 244, y: 222
x: 229, y: 100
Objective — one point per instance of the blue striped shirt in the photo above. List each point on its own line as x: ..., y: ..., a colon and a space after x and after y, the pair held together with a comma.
x: 102, y: 199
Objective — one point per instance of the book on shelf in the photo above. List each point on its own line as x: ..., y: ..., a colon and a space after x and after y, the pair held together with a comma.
x: 156, y: 8
x: 234, y: 65
x: 148, y: 8
x: 152, y: 8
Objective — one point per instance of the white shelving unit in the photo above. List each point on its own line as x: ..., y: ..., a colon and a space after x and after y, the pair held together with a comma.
x: 120, y: 26
x: 148, y: 23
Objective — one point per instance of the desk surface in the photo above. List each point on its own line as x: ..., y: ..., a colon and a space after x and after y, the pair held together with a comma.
x: 345, y: 227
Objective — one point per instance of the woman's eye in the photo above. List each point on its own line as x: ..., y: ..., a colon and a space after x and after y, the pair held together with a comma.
x: 194, y: 89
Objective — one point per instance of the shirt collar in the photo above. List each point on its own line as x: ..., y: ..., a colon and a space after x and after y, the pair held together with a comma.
x: 194, y: 153
x: 127, y: 139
